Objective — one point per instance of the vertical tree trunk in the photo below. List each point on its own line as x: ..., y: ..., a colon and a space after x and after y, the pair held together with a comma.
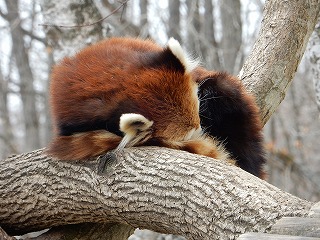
x: 144, y: 26
x: 48, y: 123
x: 27, y: 91
x: 193, y: 25
x: 62, y: 41
x: 6, y: 134
x: 314, y: 56
x: 209, y: 46
x: 66, y: 40
x: 174, y: 28
x: 230, y: 11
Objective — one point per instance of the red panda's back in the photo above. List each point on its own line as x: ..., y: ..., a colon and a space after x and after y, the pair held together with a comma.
x: 94, y: 76
x: 96, y: 86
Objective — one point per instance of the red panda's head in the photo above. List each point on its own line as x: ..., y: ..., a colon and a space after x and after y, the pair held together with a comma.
x: 165, y: 93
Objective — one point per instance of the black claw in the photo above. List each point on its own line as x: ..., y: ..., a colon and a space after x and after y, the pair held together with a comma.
x: 106, y: 162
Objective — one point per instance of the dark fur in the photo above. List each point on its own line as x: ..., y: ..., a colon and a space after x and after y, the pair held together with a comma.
x: 230, y: 114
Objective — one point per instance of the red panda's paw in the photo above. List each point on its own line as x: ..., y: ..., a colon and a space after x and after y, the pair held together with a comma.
x: 136, y: 128
x: 83, y: 145
x: 209, y: 147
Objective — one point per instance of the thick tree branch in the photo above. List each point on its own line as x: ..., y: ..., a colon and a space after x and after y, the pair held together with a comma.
x: 156, y: 188
x: 284, y: 34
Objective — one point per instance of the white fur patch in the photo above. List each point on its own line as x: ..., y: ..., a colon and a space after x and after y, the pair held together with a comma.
x: 127, y: 121
x: 194, y: 133
x: 188, y: 62
x: 135, y: 127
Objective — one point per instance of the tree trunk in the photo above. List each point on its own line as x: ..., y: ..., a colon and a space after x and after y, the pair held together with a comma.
x: 230, y: 11
x: 314, y: 56
x: 144, y: 26
x: 155, y: 188
x: 27, y: 91
x: 174, y: 28
x: 269, y: 69
x: 193, y: 25
x: 118, y: 24
x: 59, y: 15
x: 209, y: 46
x: 6, y: 134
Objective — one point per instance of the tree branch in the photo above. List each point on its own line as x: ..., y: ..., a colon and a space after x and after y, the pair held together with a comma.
x: 284, y: 34
x: 33, y: 36
x: 155, y: 188
x: 3, y: 15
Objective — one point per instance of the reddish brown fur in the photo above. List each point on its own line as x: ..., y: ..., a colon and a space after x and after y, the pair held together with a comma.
x: 119, y: 76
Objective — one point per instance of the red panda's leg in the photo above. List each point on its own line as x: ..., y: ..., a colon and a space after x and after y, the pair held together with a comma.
x: 83, y: 145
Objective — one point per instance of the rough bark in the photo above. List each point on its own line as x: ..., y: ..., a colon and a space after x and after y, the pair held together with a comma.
x: 59, y: 15
x: 4, y: 235
x: 85, y: 231
x: 156, y: 188
x: 269, y: 69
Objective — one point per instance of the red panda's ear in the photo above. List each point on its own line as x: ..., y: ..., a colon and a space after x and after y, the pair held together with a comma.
x: 172, y: 57
x: 187, y: 62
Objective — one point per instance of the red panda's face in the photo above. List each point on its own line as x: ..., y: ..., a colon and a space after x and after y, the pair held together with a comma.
x: 170, y: 100
x: 183, y: 121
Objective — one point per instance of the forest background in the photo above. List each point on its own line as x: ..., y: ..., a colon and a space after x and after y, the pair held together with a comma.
x: 221, y: 32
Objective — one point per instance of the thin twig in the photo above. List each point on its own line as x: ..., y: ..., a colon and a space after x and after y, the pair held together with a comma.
x: 123, y: 4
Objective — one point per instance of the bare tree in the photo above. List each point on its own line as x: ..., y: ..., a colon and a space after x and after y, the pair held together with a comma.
x: 27, y: 91
x: 193, y: 25
x: 209, y: 45
x: 127, y: 26
x: 63, y: 21
x: 174, y: 20
x: 230, y: 11
x: 314, y: 55
x: 161, y: 189
x: 6, y: 135
x: 143, y: 4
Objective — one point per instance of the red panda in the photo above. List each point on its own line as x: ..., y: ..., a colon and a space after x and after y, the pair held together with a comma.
x: 125, y: 92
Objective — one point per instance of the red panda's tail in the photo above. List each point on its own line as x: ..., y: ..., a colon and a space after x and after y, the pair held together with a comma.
x: 83, y: 145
